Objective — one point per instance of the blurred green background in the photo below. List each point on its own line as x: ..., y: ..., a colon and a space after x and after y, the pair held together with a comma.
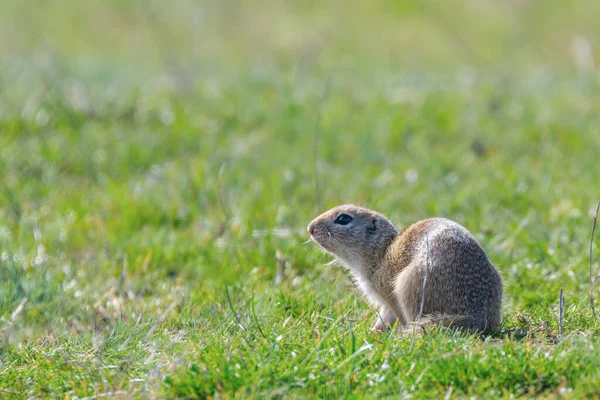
x: 380, y: 35
x: 160, y: 162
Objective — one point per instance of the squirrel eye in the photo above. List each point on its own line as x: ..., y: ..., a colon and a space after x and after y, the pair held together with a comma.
x: 343, y: 219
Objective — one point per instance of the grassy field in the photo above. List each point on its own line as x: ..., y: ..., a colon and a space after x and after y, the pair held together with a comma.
x: 159, y: 165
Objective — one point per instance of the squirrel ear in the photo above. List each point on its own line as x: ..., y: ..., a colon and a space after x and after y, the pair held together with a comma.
x: 372, y: 228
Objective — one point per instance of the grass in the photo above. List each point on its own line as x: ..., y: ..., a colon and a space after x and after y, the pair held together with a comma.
x: 158, y: 173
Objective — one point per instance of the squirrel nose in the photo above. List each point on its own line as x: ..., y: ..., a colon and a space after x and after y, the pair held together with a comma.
x: 311, y: 228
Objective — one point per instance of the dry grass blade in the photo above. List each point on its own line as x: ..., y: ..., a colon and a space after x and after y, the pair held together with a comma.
x: 14, y: 315
x: 316, y: 144
x: 595, y: 219
x: 18, y: 310
x: 2, y: 390
x: 412, y: 343
x: 561, y: 311
x: 105, y: 395
x: 449, y: 392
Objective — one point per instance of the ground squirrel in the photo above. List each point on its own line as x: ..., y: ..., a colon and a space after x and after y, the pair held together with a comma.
x: 463, y: 289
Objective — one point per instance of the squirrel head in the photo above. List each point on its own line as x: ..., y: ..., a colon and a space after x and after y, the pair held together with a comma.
x: 357, y: 236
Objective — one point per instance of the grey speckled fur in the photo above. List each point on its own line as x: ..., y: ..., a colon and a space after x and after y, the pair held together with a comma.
x: 463, y: 291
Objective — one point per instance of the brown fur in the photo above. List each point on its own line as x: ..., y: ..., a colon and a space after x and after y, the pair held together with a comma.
x: 463, y: 291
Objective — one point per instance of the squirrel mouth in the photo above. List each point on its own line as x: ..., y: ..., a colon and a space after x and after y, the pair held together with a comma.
x: 321, y: 238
